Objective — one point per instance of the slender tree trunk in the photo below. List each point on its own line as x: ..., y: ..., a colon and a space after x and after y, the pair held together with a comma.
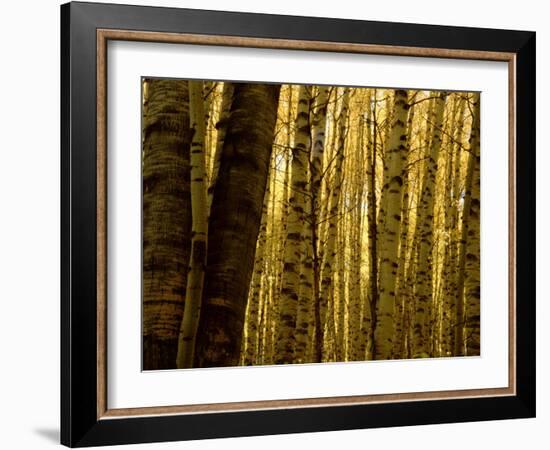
x: 195, y: 276
x: 367, y: 125
x: 253, y: 309
x: 327, y: 272
x: 402, y: 298
x: 288, y: 305
x: 357, y: 304
x: 235, y: 221
x: 451, y: 217
x: 459, y: 347
x: 318, y: 148
x: 472, y: 268
x: 373, y: 233
x: 424, y: 294
x: 166, y: 219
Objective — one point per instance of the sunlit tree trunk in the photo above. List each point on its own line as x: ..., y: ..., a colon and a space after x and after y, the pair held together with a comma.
x: 235, y: 221
x: 424, y: 288
x: 288, y: 305
x: 356, y: 301
x: 452, y: 199
x: 327, y: 271
x: 367, y: 125
x: 395, y: 158
x: 402, y: 298
x: 318, y: 132
x: 166, y: 219
x: 459, y: 341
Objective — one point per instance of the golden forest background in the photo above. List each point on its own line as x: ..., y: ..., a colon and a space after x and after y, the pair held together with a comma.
x: 303, y: 224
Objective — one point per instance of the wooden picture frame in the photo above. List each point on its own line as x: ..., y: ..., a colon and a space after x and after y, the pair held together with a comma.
x: 86, y: 418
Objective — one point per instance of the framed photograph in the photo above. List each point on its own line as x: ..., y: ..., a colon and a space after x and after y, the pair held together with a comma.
x: 278, y: 224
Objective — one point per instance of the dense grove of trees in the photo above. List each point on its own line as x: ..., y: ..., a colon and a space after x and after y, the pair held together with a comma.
x: 297, y: 224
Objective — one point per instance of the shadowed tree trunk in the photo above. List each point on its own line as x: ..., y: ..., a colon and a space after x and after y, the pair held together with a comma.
x: 472, y: 266
x: 372, y: 220
x: 234, y: 223
x: 166, y: 219
x: 221, y: 126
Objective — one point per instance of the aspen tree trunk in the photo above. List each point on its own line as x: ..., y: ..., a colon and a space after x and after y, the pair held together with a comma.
x: 472, y: 268
x: 304, y: 317
x: 166, y: 219
x: 253, y: 309
x: 235, y: 221
x: 199, y: 230
x: 401, y: 303
x: 340, y: 285
x: 355, y: 294
x: 373, y: 232
x: 459, y: 348
x: 385, y: 141
x: 401, y: 298
x: 395, y: 157
x: 424, y: 294
x: 442, y: 319
x: 288, y: 304
x: 450, y: 267
x: 274, y: 269
x: 327, y: 271
x: 318, y: 148
x: 421, y: 173
x: 208, y: 94
x: 357, y: 306
x: 367, y: 124
x: 221, y: 126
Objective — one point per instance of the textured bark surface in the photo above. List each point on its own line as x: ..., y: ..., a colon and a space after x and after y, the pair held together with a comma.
x: 318, y: 135
x: 459, y: 344
x: 367, y: 125
x: 295, y: 245
x: 392, y: 196
x: 372, y: 231
x: 234, y: 223
x: 424, y: 284
x: 449, y: 277
x: 402, y: 291
x: 166, y: 219
x: 472, y: 268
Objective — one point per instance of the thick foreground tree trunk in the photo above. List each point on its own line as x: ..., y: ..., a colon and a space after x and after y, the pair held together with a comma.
x: 166, y: 219
x: 234, y: 223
